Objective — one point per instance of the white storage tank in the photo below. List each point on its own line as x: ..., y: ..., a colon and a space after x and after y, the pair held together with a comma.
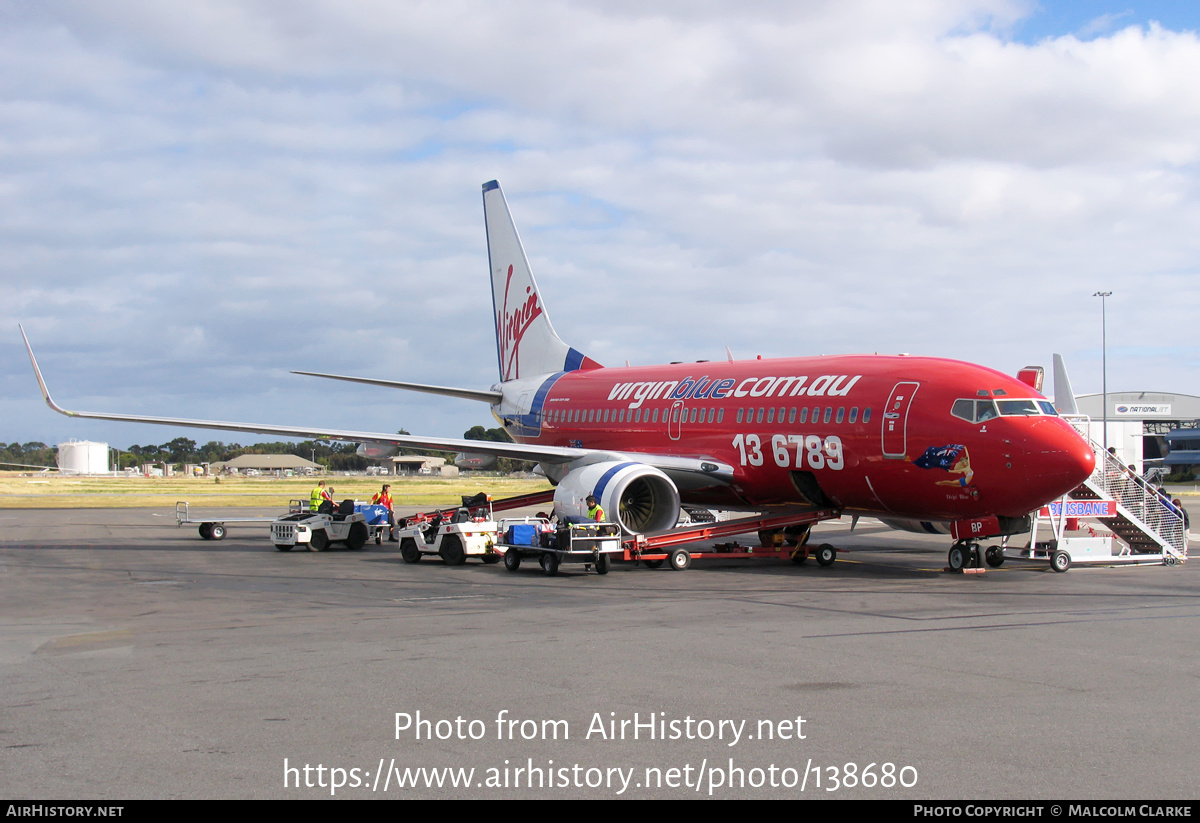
x: 83, y: 457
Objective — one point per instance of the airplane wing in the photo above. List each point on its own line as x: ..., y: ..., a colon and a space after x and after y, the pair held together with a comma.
x: 520, y: 451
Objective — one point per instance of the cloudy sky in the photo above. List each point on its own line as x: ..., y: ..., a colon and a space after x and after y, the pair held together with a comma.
x: 199, y: 196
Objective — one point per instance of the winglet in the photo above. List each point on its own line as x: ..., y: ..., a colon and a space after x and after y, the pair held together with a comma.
x: 41, y: 380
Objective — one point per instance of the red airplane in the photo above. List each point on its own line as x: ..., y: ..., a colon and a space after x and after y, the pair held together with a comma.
x: 922, y: 443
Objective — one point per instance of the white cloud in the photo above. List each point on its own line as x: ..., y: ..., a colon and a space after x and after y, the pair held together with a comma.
x: 208, y: 194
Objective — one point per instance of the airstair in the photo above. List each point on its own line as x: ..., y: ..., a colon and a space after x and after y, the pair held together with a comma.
x: 1145, y: 521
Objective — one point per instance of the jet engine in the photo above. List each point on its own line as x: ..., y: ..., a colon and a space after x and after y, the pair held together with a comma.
x: 376, y: 451
x: 638, y: 497
x: 478, y: 462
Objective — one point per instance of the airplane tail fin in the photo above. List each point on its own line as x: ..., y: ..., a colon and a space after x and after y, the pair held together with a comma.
x: 1064, y: 397
x: 526, y: 342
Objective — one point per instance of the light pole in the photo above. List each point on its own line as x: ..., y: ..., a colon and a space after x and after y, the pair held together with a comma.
x: 1104, y: 357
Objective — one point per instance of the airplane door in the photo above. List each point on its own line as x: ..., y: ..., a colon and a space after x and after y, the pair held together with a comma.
x: 895, y: 419
x: 675, y: 421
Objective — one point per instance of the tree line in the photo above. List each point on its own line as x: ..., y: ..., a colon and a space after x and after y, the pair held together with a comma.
x: 333, y: 455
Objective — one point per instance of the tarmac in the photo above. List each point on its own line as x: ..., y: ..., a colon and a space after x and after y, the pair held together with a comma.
x: 139, y: 661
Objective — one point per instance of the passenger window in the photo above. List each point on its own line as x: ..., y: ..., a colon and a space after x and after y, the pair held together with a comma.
x: 804, y: 415
x: 867, y: 415
x: 759, y: 417
x: 828, y: 413
x: 792, y: 415
x: 720, y: 415
x: 771, y: 415
x: 854, y: 415
x: 655, y: 418
x: 741, y: 414
x: 841, y: 415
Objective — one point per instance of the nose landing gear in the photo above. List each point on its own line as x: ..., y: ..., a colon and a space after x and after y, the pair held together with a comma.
x: 967, y: 554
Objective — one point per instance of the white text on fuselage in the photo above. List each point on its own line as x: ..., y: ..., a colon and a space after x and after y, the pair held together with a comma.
x: 703, y: 388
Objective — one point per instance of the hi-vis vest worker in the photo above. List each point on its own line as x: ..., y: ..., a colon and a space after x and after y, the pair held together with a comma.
x: 594, y: 511
x: 383, y: 498
x: 317, y: 496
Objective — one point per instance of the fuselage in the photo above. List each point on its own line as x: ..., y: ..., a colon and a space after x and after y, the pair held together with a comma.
x: 909, y: 437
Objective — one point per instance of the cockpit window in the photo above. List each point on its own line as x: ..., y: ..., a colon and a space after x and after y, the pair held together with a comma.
x: 1048, y: 408
x: 1013, y: 408
x: 974, y: 411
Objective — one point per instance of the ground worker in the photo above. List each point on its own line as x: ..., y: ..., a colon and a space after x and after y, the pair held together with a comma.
x: 384, y: 498
x: 594, y: 512
x: 318, y: 496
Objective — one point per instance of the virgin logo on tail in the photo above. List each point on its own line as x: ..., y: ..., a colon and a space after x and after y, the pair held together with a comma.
x: 511, y: 327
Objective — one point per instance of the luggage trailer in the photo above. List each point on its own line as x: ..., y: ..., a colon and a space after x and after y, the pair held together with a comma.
x: 594, y: 545
x: 212, y: 528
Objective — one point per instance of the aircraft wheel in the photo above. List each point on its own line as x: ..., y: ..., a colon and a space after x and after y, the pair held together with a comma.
x: 549, y: 563
x: 206, y: 531
x: 602, y: 564
x: 409, y: 551
x: 797, y: 535
x: 652, y: 564
x: 994, y: 556
x: 512, y: 560
x: 357, y: 538
x: 1060, y: 561
x: 826, y: 554
x: 282, y: 547
x: 452, y: 551
x: 680, y: 559
x: 319, y: 541
x: 957, y: 558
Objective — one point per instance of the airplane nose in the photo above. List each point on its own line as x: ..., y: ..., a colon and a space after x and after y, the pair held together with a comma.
x: 1059, y: 460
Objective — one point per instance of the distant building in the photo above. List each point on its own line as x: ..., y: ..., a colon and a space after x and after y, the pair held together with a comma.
x: 266, y: 463
x: 1141, y: 424
x: 416, y: 464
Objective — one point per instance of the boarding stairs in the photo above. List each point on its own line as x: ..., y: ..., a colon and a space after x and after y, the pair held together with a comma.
x: 1145, y: 521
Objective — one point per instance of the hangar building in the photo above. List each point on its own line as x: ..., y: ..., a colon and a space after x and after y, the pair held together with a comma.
x: 1139, y: 423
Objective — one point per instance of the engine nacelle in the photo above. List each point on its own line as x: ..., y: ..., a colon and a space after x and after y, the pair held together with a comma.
x: 638, y: 497
x: 477, y: 462
x: 377, y: 451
